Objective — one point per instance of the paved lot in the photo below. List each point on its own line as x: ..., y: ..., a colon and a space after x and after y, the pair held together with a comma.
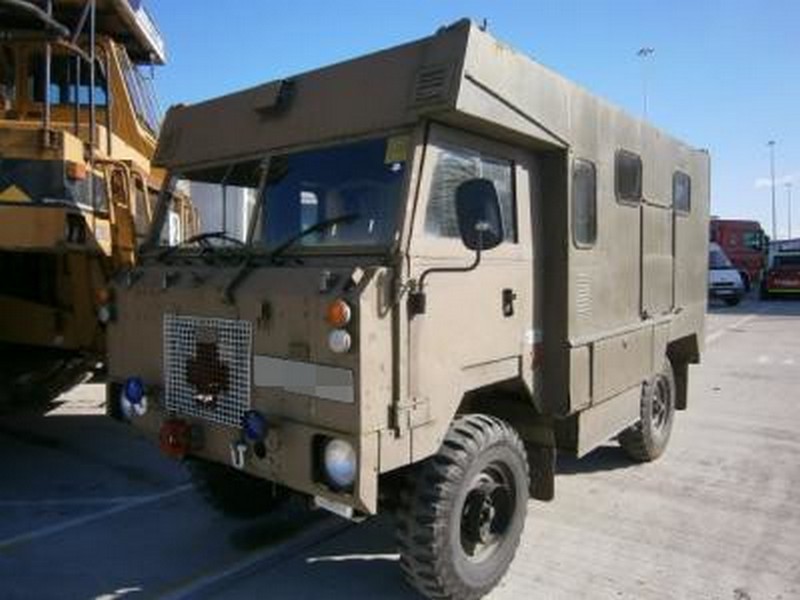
x: 89, y: 510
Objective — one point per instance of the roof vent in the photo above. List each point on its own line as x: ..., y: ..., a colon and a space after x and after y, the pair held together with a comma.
x: 432, y: 84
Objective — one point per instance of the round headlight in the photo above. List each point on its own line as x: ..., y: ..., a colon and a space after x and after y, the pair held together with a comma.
x: 340, y: 463
x: 339, y: 341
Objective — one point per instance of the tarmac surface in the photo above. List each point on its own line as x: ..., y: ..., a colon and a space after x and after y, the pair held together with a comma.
x: 90, y: 510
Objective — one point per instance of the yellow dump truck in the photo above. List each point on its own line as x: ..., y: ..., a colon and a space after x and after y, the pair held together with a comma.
x: 78, y: 127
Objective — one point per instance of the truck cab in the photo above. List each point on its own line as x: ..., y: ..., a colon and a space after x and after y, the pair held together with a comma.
x: 782, y: 278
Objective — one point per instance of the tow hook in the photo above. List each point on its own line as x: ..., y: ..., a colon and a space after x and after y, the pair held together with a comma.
x: 238, y: 452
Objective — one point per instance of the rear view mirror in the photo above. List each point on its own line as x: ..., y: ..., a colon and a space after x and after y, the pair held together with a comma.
x: 478, y: 214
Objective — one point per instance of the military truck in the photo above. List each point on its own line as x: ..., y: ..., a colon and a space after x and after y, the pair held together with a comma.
x: 458, y: 263
x: 78, y: 127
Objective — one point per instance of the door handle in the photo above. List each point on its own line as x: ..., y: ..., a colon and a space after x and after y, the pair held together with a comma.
x: 509, y: 296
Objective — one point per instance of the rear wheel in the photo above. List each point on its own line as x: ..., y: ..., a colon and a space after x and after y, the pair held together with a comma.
x: 647, y: 439
x: 461, y: 517
x: 234, y: 493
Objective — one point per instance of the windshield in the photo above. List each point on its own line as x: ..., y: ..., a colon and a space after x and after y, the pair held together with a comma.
x: 718, y: 260
x: 216, y: 200
x: 786, y: 261
x: 355, y: 186
x: 342, y: 196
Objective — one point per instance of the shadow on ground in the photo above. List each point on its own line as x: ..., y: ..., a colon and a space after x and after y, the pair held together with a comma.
x: 604, y: 458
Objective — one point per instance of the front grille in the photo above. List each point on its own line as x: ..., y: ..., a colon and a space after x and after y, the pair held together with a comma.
x: 207, y: 367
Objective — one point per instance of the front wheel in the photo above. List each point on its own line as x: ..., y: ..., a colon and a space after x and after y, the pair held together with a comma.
x: 648, y: 438
x: 461, y: 517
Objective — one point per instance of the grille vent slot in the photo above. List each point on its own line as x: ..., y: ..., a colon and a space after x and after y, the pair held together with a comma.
x: 583, y: 295
x: 432, y: 84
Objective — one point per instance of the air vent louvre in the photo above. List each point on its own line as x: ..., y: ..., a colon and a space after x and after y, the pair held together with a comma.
x: 431, y: 84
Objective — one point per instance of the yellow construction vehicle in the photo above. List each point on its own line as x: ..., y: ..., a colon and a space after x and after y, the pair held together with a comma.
x: 78, y: 127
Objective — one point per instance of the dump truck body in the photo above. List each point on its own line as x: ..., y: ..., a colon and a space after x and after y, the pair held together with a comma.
x: 79, y: 125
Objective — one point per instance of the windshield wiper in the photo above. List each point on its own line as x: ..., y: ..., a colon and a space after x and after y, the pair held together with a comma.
x: 319, y: 226
x: 202, y: 239
x: 245, y: 267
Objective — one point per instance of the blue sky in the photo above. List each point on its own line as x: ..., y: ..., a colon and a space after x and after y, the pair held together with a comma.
x: 725, y: 74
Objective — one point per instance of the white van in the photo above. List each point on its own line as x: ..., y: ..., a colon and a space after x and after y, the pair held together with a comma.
x: 724, y: 280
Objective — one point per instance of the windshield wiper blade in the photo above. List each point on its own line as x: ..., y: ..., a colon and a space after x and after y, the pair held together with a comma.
x: 246, y: 266
x: 319, y: 226
x: 200, y: 237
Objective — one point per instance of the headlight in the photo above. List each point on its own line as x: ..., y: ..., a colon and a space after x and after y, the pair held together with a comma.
x: 339, y: 341
x: 339, y: 460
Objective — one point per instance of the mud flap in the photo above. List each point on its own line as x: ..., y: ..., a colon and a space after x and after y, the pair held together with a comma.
x: 542, y: 464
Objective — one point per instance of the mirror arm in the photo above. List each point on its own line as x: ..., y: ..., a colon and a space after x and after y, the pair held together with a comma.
x: 417, y: 299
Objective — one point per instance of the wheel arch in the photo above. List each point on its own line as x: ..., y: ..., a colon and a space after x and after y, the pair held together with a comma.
x: 512, y: 403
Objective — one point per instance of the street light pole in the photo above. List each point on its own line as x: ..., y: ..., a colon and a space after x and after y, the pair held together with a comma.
x: 771, y: 145
x: 644, y: 53
x: 789, y: 208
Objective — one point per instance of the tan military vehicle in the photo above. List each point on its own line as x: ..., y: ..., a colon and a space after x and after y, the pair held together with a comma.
x: 78, y: 127
x: 456, y: 262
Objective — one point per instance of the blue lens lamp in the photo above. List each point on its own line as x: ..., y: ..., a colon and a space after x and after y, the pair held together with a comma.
x: 133, y: 400
x: 254, y: 426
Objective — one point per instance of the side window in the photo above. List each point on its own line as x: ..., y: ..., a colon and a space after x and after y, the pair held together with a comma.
x: 64, y: 87
x: 628, y: 177
x: 584, y: 203
x: 681, y: 192
x: 453, y: 167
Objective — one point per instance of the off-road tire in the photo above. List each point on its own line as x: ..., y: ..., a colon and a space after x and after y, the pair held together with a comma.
x: 647, y: 439
x: 232, y: 492
x: 444, y: 491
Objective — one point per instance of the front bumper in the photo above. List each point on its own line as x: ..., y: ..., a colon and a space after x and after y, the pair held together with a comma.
x: 723, y: 293
x: 288, y: 454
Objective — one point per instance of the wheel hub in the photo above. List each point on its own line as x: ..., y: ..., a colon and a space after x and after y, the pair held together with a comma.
x: 660, y: 409
x: 486, y: 514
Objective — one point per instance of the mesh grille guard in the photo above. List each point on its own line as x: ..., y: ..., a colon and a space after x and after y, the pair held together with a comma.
x: 207, y: 366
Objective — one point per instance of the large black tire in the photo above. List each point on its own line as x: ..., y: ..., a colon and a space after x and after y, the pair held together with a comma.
x: 234, y: 493
x: 648, y: 438
x: 461, y: 516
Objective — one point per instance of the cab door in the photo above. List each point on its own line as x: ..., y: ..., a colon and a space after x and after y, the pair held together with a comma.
x: 476, y: 328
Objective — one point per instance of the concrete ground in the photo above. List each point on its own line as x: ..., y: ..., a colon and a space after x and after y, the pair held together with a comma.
x: 90, y: 510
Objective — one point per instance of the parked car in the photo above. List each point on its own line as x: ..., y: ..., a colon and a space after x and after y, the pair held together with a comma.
x: 724, y: 280
x: 782, y: 277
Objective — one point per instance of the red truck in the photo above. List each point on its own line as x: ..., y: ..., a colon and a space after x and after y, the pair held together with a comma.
x: 744, y: 243
x: 782, y: 277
